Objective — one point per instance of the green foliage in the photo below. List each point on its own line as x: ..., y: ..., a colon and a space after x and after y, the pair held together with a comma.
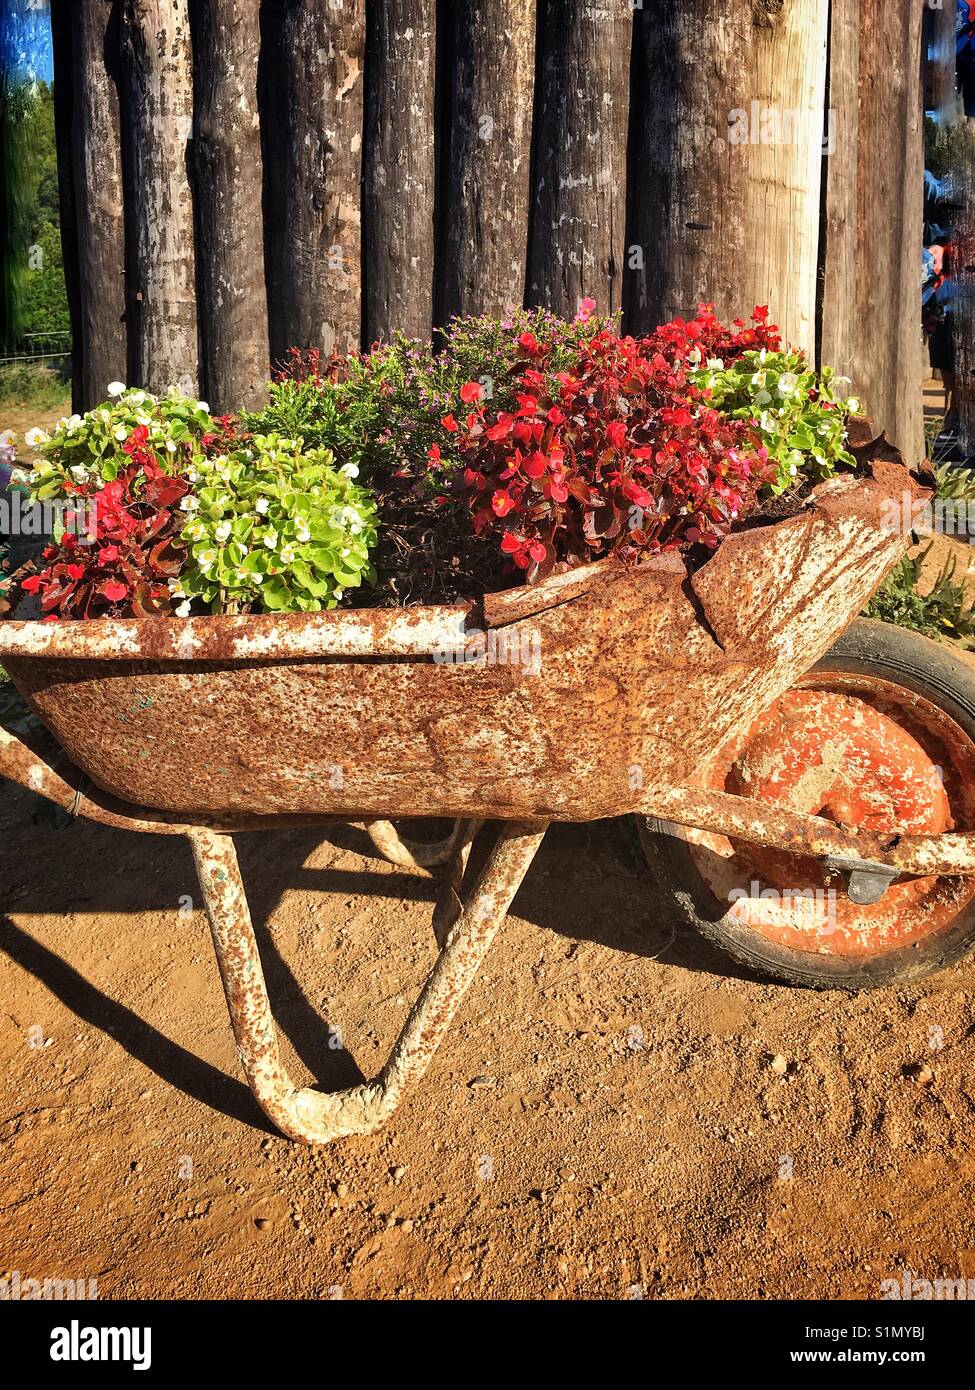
x: 954, y: 484
x: 98, y: 445
x: 34, y: 299
x: 274, y: 528
x: 943, y: 612
x: 800, y: 414
x: 32, y: 385
x: 383, y: 411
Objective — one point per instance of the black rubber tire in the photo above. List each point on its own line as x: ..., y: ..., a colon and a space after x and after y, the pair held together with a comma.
x: 866, y: 648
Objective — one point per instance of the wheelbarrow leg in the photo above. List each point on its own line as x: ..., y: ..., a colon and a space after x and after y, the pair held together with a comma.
x: 316, y: 1117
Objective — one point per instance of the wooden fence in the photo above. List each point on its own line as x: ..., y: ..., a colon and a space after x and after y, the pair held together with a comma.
x: 239, y: 178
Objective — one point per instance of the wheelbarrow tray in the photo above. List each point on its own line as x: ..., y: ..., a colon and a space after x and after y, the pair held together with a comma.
x: 558, y: 701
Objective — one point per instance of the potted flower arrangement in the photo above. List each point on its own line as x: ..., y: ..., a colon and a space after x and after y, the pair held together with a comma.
x: 524, y: 448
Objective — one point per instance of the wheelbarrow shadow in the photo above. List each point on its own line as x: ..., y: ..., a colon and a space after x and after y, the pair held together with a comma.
x: 613, y: 902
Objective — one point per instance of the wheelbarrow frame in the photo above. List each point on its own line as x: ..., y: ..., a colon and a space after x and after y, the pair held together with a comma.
x: 466, y: 923
x: 624, y: 650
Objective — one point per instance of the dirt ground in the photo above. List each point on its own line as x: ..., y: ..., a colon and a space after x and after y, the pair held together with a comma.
x: 604, y: 1120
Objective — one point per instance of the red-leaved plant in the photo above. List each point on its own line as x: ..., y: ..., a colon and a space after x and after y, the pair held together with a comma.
x: 619, y: 454
x: 125, y: 571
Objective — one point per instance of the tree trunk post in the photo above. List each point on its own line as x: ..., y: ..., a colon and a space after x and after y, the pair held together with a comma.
x: 578, y: 211
x: 728, y: 140
x: 399, y: 173
x: 484, y: 212
x: 314, y: 221
x: 163, y: 347
x: 229, y: 181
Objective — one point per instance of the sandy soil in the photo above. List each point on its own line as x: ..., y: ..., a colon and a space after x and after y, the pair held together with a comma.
x: 21, y: 418
x: 604, y: 1115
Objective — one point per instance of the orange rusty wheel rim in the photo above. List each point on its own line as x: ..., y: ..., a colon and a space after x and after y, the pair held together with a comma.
x: 869, y: 755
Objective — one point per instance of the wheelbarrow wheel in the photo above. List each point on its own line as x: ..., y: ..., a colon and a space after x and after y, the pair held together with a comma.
x: 879, y: 735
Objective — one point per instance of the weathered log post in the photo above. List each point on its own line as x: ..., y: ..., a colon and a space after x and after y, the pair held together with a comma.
x: 314, y: 146
x: 399, y: 171
x: 839, y: 253
x: 95, y: 165
x: 484, y: 208
x: 578, y: 211
x: 235, y: 359
x: 871, y: 320
x: 162, y: 310
x: 728, y: 139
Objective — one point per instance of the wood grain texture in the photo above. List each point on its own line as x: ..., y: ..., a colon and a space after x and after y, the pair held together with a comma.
x: 728, y: 140
x: 890, y: 209
x: 399, y: 178
x: 578, y: 209
x: 162, y: 310
x: 484, y: 209
x: 228, y: 167
x: 314, y: 145
x: 838, y: 252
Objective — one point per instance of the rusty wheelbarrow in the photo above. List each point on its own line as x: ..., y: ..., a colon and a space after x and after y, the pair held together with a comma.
x: 691, y: 699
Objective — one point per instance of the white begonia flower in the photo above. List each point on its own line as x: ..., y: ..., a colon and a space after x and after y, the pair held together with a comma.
x: 853, y: 404
x: 302, y: 532
x: 716, y: 364
x: 288, y: 554
x: 120, y: 433
x: 35, y: 437
x: 271, y: 539
x: 116, y: 388
x: 759, y: 380
x: 170, y: 446
x: 74, y: 422
x: 78, y: 472
x: 191, y: 475
x: 103, y: 414
x: 788, y: 382
x: 183, y: 609
x: 261, y: 506
x: 207, y: 559
x: 189, y: 504
x: 143, y: 419
x: 348, y: 470
x: 222, y: 531
x: 339, y: 592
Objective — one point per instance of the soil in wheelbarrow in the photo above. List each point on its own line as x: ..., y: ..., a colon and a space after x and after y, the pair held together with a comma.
x: 616, y: 1112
